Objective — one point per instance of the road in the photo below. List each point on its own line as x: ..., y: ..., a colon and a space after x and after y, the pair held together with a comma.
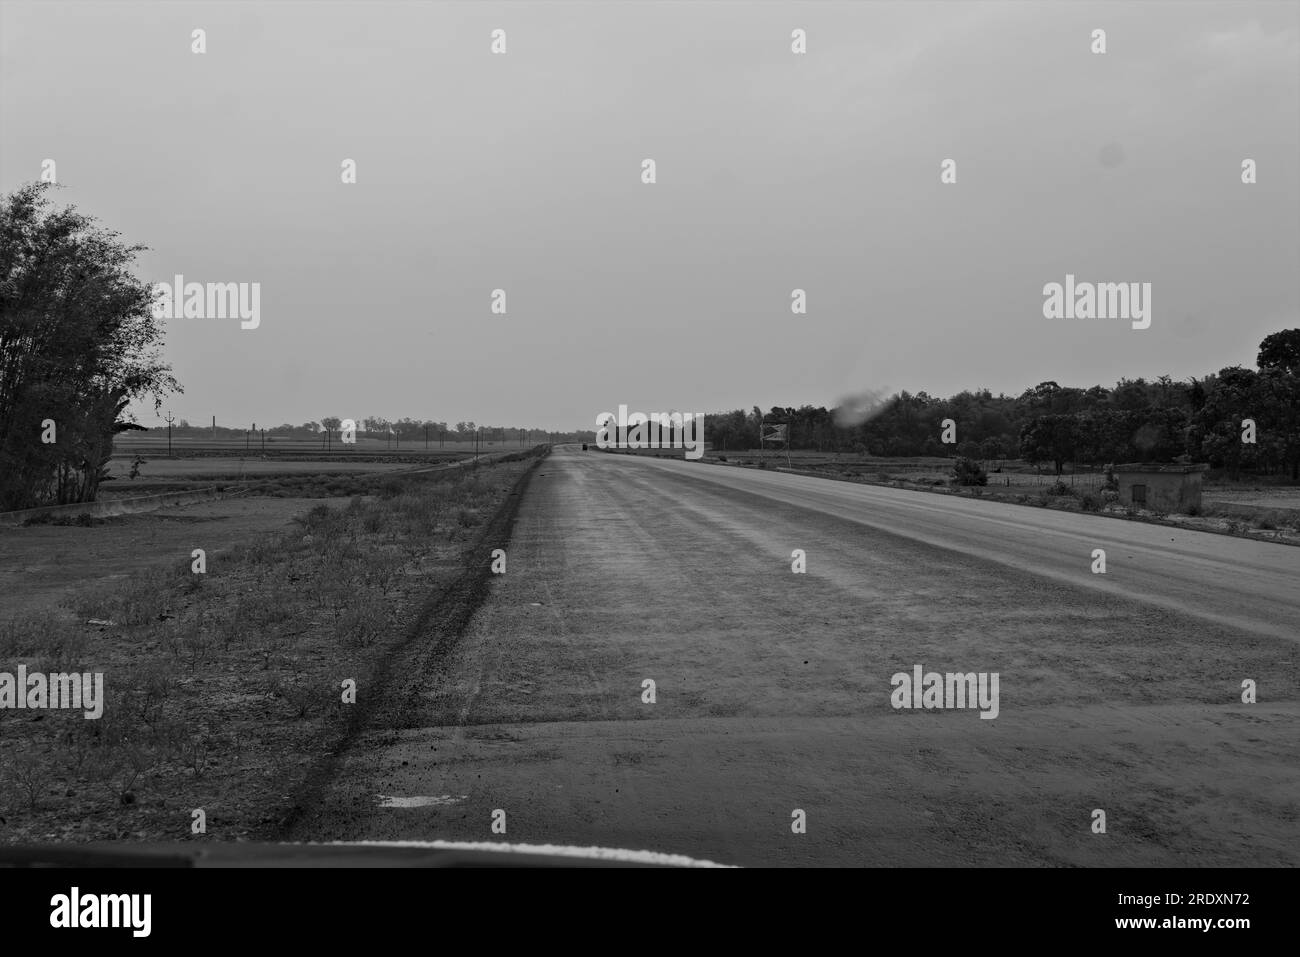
x: 1119, y: 692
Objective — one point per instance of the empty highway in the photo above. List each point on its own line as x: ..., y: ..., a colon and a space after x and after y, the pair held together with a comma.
x: 1119, y: 692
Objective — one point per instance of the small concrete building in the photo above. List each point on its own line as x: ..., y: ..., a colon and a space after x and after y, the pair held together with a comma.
x: 1165, y: 487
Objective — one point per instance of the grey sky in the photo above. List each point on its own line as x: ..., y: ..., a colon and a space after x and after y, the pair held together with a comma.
x: 775, y: 171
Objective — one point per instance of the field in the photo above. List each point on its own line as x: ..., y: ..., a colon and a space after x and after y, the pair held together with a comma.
x: 1015, y: 474
x: 219, y: 467
x: 43, y: 564
x: 196, y: 461
x: 1260, y: 497
x: 154, y: 445
x: 222, y: 688
x: 1259, y: 507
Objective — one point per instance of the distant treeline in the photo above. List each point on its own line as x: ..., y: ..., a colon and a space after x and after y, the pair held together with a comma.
x: 373, y: 427
x: 1204, y: 420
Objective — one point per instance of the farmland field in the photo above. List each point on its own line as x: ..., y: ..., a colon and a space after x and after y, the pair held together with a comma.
x: 151, y: 443
x: 41, y: 564
x: 194, y: 461
x: 219, y: 467
x: 1015, y: 474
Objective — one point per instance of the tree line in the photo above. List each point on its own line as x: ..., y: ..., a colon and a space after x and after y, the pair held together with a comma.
x: 372, y: 426
x: 1160, y: 420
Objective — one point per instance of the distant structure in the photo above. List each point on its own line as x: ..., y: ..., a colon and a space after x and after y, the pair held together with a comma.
x: 1166, y: 487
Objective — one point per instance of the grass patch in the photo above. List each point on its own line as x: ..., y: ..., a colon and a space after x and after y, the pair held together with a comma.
x: 222, y: 689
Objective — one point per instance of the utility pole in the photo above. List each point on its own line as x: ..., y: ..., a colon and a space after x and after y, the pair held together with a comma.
x: 264, y: 441
x: 426, y: 438
x: 170, y: 420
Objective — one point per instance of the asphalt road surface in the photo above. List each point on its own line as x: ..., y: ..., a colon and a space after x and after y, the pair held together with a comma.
x: 1118, y: 692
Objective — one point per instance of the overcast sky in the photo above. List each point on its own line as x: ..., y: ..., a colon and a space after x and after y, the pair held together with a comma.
x: 775, y: 171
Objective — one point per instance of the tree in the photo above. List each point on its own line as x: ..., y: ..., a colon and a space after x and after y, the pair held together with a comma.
x: 78, y: 344
x: 1280, y: 351
x: 1217, y: 426
x: 1050, y: 438
x: 1279, y: 419
x: 1042, y: 398
x: 331, y: 422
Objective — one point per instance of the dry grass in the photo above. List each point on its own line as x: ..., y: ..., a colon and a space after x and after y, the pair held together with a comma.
x: 221, y: 689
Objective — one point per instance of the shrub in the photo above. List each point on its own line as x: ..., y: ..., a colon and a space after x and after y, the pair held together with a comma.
x: 1090, y: 501
x: 315, y: 519
x: 80, y: 520
x: 969, y: 472
x: 1271, y: 519
x: 1059, y: 488
x: 468, y: 517
x: 362, y: 623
